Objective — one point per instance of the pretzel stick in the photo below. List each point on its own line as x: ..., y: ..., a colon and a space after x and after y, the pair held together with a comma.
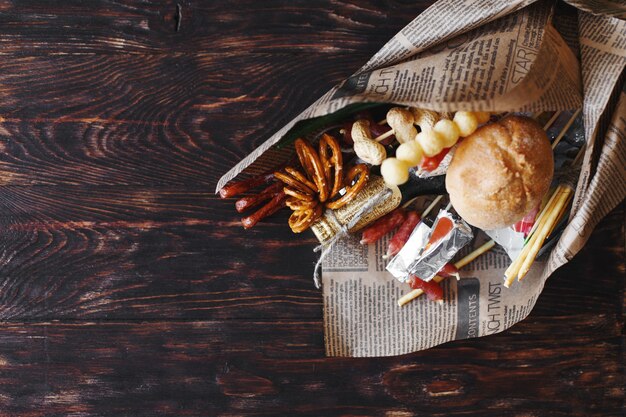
x: 560, y: 216
x: 542, y: 214
x: 513, y: 270
x: 543, y: 233
x: 405, y: 299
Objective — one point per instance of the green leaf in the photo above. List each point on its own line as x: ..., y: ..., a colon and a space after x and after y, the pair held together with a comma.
x: 305, y: 127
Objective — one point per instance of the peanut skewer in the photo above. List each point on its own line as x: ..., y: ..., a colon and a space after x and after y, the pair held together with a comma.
x: 436, y: 134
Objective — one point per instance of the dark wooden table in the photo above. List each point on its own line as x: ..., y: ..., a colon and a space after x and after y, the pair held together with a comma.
x: 127, y: 288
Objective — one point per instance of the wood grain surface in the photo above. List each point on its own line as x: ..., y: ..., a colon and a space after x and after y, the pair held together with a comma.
x: 127, y: 288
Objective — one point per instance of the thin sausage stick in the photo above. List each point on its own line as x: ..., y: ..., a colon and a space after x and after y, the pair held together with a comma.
x: 236, y: 188
x: 408, y: 297
x: 270, y: 208
x: 246, y: 203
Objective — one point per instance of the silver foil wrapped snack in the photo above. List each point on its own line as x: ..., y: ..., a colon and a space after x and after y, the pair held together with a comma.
x: 399, y: 265
x: 448, y: 235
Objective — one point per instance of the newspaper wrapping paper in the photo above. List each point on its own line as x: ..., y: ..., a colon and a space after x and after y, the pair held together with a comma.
x: 486, y: 55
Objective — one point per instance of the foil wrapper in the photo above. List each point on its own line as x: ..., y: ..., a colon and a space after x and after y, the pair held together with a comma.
x: 399, y: 265
x: 509, y: 239
x: 437, y: 253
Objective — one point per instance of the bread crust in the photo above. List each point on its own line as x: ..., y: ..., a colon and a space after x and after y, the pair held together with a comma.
x: 500, y: 172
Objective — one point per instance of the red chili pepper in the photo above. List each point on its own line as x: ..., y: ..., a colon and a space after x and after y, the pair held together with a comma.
x: 402, y: 235
x: 449, y: 271
x: 383, y: 226
x: 433, y: 289
x: 430, y: 163
x: 526, y: 224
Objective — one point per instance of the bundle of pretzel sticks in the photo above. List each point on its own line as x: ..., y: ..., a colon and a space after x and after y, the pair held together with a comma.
x: 408, y: 142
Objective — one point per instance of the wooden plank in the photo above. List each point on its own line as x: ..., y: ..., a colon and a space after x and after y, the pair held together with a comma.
x: 39, y: 27
x: 137, y: 252
x: 165, y: 119
x: 276, y: 368
x: 596, y: 273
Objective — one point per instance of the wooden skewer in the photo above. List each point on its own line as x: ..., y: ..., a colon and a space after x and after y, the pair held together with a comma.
x: 384, y: 135
x: 565, y: 128
x: 474, y: 254
x: 431, y: 206
x: 552, y: 120
x: 428, y: 209
x: 408, y: 203
x: 580, y: 154
x: 410, y: 296
x: 543, y: 233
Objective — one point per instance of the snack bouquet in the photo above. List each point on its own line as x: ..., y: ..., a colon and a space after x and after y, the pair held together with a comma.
x: 448, y: 177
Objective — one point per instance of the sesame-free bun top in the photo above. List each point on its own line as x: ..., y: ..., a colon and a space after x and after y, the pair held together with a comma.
x: 500, y: 173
